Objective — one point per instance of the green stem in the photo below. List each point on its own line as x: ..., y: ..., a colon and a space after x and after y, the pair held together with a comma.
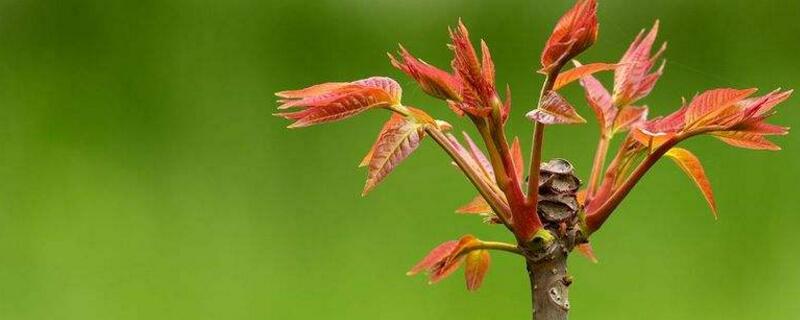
x: 538, y: 141
x: 598, y: 164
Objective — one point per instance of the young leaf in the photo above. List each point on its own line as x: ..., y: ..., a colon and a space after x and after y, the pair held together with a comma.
x: 314, y: 90
x: 689, y: 163
x: 586, y: 250
x: 445, y: 258
x: 575, y: 32
x: 477, y: 264
x: 581, y: 71
x: 477, y: 155
x: 518, y: 159
x: 337, y: 101
x: 746, y: 140
x: 419, y: 115
x: 441, y: 252
x: 433, y: 81
x: 628, y: 117
x: 477, y: 205
x: 506, y: 110
x: 631, y: 80
x: 476, y: 76
x: 555, y: 110
x: 600, y: 101
x: 716, y: 107
x: 397, y: 141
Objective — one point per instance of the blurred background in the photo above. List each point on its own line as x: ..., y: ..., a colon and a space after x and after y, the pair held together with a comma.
x: 142, y: 175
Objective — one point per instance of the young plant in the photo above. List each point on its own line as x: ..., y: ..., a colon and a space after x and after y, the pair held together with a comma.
x: 548, y: 212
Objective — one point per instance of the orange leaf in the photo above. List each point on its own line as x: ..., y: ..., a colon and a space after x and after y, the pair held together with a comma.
x: 445, y: 258
x: 517, y: 158
x: 599, y: 100
x: 311, y: 91
x: 436, y: 255
x: 476, y: 76
x: 433, y: 81
x: 689, y: 163
x: 576, y: 73
x: 716, y: 107
x: 506, y: 110
x: 581, y: 197
x: 365, y: 161
x: 746, y: 140
x: 477, y: 264
x: 631, y: 80
x: 628, y: 117
x: 586, y: 250
x: 477, y: 205
x: 555, y: 110
x: 336, y: 101
x: 574, y: 33
x: 396, y: 142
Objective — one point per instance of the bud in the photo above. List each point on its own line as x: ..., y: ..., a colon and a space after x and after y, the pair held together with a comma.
x: 574, y: 33
x: 434, y: 81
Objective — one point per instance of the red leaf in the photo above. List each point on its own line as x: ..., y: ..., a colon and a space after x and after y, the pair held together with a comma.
x: 578, y: 72
x: 477, y: 264
x: 759, y: 109
x: 631, y: 80
x: 336, y: 101
x: 716, y: 107
x: 517, y: 158
x: 746, y: 140
x: 630, y: 116
x: 477, y: 79
x: 311, y: 91
x: 441, y: 252
x: 487, y: 64
x: 600, y: 101
x: 555, y: 110
x: 477, y: 155
x: 478, y: 205
x: 506, y: 110
x: 432, y: 80
x: 762, y: 128
x: 574, y: 33
x: 462, y: 151
x: 689, y: 163
x: 396, y: 142
x: 445, y: 259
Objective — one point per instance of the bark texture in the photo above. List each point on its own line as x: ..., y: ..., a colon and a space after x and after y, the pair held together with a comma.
x: 550, y: 287
x: 547, y: 261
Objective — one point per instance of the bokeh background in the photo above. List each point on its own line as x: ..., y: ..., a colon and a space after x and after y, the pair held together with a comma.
x: 142, y: 175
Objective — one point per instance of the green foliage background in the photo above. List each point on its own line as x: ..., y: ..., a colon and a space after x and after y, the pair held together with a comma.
x: 143, y: 177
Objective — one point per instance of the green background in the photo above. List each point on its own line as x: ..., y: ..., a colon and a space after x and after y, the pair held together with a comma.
x: 142, y: 175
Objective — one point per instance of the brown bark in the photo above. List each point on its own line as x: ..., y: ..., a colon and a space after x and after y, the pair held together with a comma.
x: 550, y: 286
x: 547, y: 260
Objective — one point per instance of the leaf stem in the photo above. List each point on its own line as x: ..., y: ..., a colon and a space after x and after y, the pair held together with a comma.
x: 538, y: 141
x: 498, y: 204
x: 598, y: 164
x: 500, y: 246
